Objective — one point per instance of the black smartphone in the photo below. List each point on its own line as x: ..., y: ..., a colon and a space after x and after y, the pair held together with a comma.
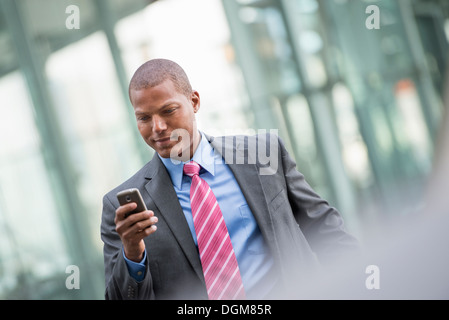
x: 132, y: 195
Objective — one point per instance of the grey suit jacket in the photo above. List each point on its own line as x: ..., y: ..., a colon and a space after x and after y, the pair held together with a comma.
x: 301, y: 230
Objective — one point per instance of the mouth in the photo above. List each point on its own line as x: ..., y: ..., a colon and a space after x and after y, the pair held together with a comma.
x: 162, y: 141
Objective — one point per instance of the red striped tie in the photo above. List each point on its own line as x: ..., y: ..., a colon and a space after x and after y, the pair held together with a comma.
x: 220, y: 268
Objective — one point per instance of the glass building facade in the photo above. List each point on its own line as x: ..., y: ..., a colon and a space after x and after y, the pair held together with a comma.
x: 354, y: 88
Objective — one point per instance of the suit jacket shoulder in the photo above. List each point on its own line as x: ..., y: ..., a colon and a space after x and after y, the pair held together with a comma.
x: 135, y: 181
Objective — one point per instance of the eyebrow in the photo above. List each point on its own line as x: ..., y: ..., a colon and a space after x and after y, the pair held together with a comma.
x: 140, y: 113
x: 166, y: 105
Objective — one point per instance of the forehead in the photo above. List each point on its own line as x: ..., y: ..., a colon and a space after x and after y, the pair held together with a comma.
x: 156, y: 96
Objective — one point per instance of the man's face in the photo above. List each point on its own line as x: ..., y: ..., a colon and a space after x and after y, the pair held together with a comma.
x: 162, y: 109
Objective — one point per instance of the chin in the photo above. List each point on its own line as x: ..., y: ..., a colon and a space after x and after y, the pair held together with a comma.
x: 164, y: 153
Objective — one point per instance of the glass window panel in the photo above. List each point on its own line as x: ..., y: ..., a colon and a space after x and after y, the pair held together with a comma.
x: 93, y: 116
x: 307, y: 155
x: 414, y: 130
x: 201, y: 47
x: 354, y: 151
x: 31, y: 244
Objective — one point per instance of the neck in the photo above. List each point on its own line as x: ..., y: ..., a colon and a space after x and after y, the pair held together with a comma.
x: 196, y: 141
x: 182, y: 154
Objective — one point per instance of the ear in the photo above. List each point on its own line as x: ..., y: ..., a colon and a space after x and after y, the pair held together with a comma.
x: 195, y: 99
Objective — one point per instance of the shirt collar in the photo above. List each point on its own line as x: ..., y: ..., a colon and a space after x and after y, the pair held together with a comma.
x: 204, y: 156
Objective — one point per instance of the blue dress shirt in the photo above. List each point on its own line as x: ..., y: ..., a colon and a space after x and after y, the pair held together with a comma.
x: 254, y: 260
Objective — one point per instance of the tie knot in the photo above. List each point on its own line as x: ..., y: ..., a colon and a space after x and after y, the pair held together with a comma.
x: 191, y: 168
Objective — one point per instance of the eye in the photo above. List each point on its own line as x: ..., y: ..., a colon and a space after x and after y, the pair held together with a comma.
x: 143, y: 118
x: 169, y: 110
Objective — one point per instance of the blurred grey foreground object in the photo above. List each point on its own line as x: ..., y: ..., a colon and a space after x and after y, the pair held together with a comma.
x: 410, y: 252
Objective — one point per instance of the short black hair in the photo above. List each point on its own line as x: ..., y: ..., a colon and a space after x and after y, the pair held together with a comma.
x: 153, y: 72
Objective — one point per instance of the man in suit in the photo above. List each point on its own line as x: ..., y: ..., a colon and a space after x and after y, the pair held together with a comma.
x: 281, y: 231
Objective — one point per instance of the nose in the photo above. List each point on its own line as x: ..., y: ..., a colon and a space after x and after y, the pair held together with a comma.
x: 159, y: 124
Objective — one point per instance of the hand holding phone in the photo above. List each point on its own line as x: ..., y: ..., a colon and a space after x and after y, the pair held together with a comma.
x: 133, y: 226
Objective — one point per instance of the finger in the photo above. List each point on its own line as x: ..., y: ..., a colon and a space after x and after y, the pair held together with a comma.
x: 138, y: 232
x: 136, y: 217
x: 136, y: 223
x: 123, y: 221
x: 149, y: 230
x: 143, y: 224
x: 122, y: 211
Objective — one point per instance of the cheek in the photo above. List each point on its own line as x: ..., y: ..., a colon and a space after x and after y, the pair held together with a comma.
x: 144, y: 130
x: 188, y: 119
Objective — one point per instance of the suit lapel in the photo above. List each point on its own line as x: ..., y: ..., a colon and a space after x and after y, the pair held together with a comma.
x: 160, y: 189
x: 247, y: 176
